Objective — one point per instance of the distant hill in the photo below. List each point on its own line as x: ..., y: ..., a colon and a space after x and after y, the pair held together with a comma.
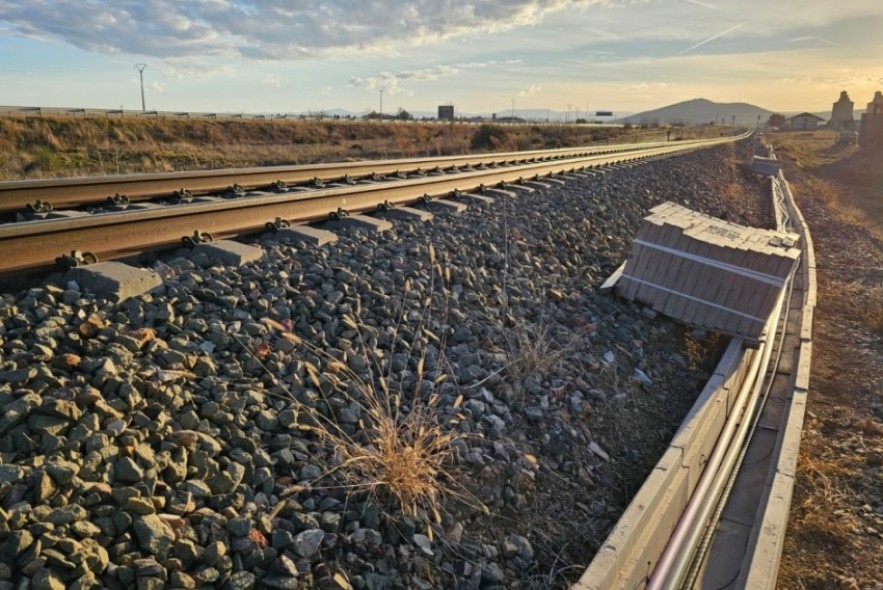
x: 700, y: 110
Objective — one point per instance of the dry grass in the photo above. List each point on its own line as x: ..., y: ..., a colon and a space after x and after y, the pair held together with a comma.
x: 400, y: 450
x: 54, y: 147
x: 822, y: 511
x: 862, y: 301
x: 847, y: 179
x: 531, y: 351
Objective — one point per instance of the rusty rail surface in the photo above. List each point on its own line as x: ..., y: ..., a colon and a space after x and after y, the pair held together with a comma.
x: 74, y: 192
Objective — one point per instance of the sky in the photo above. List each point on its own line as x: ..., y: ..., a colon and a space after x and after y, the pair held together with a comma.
x: 293, y: 56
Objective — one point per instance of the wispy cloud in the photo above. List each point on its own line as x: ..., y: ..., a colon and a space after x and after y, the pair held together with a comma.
x: 712, y: 38
x: 189, y: 69
x: 530, y: 90
x: 708, y: 5
x: 391, y: 82
x: 272, y: 80
x: 814, y: 38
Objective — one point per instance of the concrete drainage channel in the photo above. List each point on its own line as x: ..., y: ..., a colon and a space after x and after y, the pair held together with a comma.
x: 659, y: 542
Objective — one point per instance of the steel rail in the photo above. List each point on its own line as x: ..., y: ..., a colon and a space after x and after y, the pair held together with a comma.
x: 74, y: 192
x: 35, y: 244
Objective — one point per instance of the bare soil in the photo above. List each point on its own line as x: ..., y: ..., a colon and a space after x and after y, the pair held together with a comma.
x: 835, y: 531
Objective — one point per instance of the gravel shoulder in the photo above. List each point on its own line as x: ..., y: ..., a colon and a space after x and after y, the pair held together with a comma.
x: 170, y: 441
x: 835, y: 532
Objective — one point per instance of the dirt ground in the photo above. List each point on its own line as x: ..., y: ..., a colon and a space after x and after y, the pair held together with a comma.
x: 835, y: 531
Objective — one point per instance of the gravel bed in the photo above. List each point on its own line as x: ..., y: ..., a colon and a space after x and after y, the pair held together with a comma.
x: 166, y: 442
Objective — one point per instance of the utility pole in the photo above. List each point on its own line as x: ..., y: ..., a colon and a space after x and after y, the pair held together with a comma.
x: 141, y: 68
x: 513, y: 109
x: 381, y: 105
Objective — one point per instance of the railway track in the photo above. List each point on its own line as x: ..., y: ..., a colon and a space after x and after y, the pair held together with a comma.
x: 690, y: 524
x: 713, y: 513
x: 232, y: 202
x: 81, y: 192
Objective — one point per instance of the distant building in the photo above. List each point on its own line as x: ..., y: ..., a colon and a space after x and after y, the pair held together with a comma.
x: 842, y: 113
x: 776, y: 121
x: 446, y: 112
x: 876, y: 105
x: 871, y: 131
x: 805, y: 121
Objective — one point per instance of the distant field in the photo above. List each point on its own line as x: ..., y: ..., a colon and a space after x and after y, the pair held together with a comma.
x: 46, y: 147
x: 857, y: 173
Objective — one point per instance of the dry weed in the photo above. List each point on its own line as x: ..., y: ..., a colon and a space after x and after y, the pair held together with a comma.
x: 401, y: 449
x: 530, y: 351
x: 826, y: 494
x: 864, y: 302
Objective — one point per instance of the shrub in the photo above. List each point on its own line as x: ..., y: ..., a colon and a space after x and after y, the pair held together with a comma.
x: 488, y: 137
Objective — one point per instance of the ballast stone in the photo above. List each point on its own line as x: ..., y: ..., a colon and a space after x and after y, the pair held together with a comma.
x: 114, y: 279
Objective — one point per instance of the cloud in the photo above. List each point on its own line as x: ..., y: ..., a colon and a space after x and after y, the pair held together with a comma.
x: 187, y: 69
x: 267, y: 29
x: 272, y: 80
x: 530, y: 90
x: 708, y: 5
x: 645, y: 86
x: 814, y: 38
x: 712, y: 38
x: 158, y: 87
x: 391, y: 82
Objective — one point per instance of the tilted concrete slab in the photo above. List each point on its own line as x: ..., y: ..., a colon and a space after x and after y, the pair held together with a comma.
x: 765, y: 166
x: 305, y: 233
x: 114, y: 280
x: 226, y: 252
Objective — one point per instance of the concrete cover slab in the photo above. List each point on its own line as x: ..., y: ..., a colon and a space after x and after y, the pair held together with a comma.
x: 765, y: 166
x: 114, y: 280
x: 708, y: 272
x: 226, y: 252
